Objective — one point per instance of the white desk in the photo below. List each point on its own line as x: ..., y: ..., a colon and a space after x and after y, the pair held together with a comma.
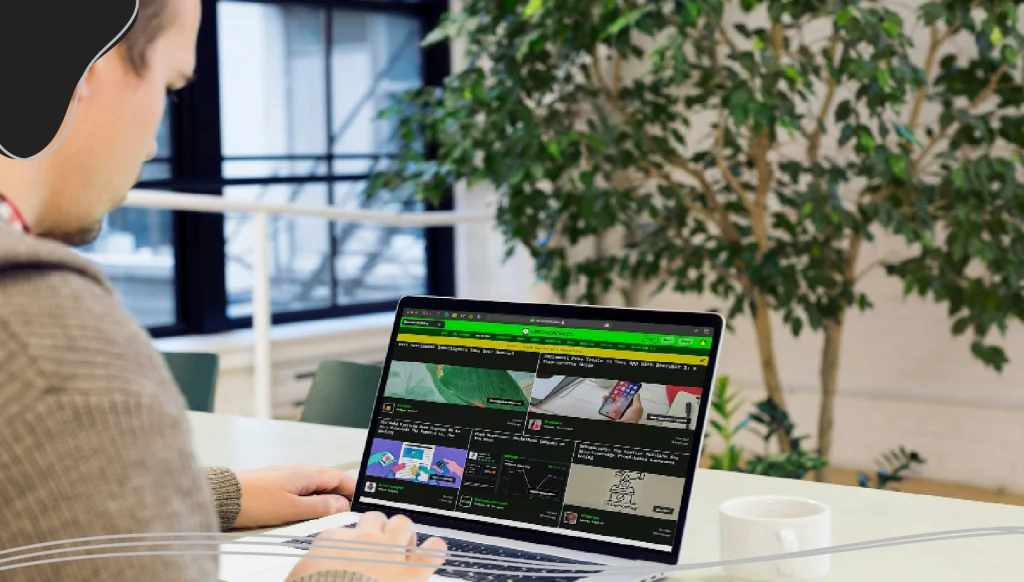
x: 241, y: 442
x: 858, y: 514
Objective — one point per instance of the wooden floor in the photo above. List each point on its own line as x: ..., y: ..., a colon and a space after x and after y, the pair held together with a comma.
x: 923, y: 486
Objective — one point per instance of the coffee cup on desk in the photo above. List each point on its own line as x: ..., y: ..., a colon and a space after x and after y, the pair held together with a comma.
x: 768, y: 525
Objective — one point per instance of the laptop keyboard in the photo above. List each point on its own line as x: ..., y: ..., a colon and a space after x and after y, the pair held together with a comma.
x: 488, y: 551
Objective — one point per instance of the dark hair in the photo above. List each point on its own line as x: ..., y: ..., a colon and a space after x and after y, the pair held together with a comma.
x: 149, y: 24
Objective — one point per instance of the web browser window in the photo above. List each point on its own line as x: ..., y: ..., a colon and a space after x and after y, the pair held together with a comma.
x: 578, y: 428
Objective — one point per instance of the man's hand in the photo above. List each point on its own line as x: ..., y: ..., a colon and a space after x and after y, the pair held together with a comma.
x: 374, y: 528
x: 279, y: 495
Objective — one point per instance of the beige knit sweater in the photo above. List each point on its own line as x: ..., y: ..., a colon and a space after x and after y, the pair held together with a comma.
x: 93, y: 435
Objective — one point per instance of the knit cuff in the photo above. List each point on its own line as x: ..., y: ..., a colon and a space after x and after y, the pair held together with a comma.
x: 227, y: 494
x: 336, y: 576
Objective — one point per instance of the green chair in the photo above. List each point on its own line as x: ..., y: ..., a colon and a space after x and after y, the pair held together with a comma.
x: 342, y: 394
x: 196, y: 376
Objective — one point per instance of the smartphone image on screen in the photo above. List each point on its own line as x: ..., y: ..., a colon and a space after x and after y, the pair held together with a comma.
x: 619, y: 400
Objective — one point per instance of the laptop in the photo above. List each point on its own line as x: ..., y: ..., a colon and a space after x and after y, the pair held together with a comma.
x: 456, y: 443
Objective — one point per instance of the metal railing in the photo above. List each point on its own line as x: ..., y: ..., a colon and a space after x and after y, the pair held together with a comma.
x: 260, y: 212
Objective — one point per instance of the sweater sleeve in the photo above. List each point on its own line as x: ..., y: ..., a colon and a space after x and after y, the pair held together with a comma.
x: 227, y: 494
x: 84, y: 465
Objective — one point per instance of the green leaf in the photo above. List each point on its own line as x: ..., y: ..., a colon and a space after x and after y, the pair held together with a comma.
x: 1009, y: 55
x: 626, y: 20
x: 476, y: 386
x: 555, y: 150
x: 439, y: 34
x: 742, y: 424
x: 844, y: 111
x: 843, y: 16
x: 996, y: 36
x: 845, y: 134
x: 898, y: 165
x: 532, y: 7
x: 693, y: 10
x: 905, y: 132
x: 932, y: 12
x: 884, y: 78
x: 863, y: 303
x: 959, y: 177
x: 961, y: 325
x: 718, y: 426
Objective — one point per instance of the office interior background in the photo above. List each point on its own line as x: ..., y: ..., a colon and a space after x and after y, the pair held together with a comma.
x: 285, y: 110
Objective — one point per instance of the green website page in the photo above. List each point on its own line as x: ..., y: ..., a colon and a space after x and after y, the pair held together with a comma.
x: 575, y: 430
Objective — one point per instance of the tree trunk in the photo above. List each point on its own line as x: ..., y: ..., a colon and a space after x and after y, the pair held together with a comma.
x: 829, y: 380
x: 769, y: 365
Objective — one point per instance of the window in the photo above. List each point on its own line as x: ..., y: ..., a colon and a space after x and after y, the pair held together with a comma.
x: 283, y: 109
x: 317, y: 76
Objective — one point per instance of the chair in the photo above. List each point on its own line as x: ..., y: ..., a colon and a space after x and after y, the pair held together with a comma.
x: 342, y: 394
x: 196, y: 376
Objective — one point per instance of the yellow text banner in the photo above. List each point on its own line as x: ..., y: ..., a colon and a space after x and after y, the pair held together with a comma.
x: 554, y: 349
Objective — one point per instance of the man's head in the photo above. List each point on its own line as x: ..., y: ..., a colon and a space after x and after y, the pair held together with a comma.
x: 113, y: 127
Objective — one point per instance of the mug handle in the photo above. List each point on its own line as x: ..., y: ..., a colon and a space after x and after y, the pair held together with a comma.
x: 789, y: 544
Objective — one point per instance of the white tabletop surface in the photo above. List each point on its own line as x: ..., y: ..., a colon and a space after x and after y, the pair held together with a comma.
x: 858, y: 514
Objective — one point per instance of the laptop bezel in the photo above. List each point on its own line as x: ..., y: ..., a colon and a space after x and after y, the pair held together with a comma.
x: 713, y: 321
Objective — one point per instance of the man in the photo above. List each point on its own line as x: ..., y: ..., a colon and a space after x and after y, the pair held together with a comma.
x: 93, y: 435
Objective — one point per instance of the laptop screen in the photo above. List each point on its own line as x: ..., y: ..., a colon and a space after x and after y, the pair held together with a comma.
x: 583, y: 428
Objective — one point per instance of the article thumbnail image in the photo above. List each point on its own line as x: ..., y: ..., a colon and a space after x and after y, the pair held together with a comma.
x: 499, y: 389
x: 409, y: 461
x: 621, y: 491
x: 633, y: 402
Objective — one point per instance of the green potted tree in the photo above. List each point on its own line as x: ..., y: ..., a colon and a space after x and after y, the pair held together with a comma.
x: 747, y: 149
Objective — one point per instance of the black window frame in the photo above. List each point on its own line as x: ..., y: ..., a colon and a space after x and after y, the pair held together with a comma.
x: 200, y: 279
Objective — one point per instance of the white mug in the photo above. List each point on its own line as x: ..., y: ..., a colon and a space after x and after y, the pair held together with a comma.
x: 768, y: 525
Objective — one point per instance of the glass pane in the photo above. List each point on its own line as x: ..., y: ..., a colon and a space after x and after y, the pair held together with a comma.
x: 299, y: 251
x: 373, y: 58
x: 359, y: 166
x: 274, y: 168
x: 163, y: 136
x: 159, y: 168
x: 136, y: 250
x: 155, y: 170
x: 377, y: 263
x: 272, y: 78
